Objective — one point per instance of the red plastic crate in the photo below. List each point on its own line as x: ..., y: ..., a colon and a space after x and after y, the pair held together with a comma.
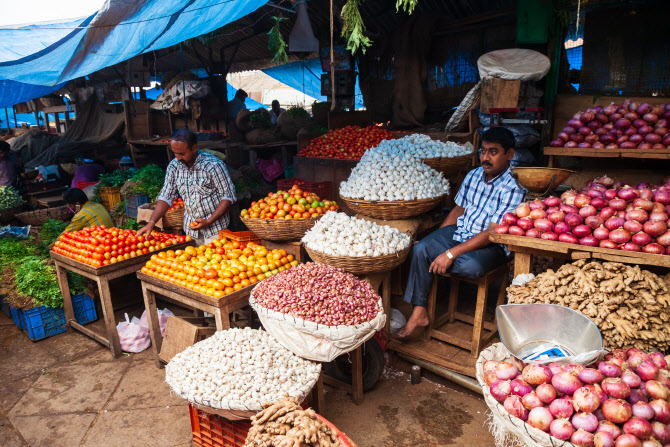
x: 82, y: 185
x: 210, y: 430
x: 321, y: 189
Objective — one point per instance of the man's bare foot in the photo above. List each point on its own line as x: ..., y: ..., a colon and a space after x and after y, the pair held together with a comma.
x: 419, y: 318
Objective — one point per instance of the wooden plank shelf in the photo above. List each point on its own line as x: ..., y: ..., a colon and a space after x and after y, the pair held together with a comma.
x: 524, y: 247
x: 655, y: 154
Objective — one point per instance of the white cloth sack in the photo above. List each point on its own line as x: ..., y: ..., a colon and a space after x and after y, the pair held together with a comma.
x: 162, y: 319
x: 514, y: 64
x: 133, y: 335
x: 315, y: 341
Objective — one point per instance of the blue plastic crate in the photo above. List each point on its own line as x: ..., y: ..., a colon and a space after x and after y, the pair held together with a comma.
x: 42, y: 322
x: 84, y: 308
x: 133, y: 202
x: 5, y: 307
x: 17, y: 316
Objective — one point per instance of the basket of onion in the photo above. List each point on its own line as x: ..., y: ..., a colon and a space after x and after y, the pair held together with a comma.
x: 620, y: 401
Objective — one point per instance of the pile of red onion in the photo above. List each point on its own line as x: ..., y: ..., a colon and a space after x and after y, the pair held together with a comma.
x: 627, y: 126
x: 321, y: 294
x: 621, y: 401
x: 605, y: 214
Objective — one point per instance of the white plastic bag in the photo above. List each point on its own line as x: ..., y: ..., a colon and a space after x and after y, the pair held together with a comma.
x: 133, y: 335
x: 162, y: 319
x: 398, y: 321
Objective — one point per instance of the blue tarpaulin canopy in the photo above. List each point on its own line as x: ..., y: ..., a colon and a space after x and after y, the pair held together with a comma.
x: 51, y: 54
x: 305, y: 76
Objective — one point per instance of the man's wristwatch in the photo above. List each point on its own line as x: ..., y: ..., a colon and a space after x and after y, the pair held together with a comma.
x: 449, y: 255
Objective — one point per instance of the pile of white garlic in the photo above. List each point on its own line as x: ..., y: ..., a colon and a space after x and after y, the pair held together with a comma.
x: 337, y: 234
x: 240, y: 369
x: 388, y: 172
x: 422, y: 146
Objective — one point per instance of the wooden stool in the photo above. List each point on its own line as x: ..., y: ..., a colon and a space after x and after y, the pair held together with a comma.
x: 479, y: 338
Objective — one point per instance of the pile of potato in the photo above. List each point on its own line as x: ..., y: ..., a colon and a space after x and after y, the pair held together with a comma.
x: 286, y: 424
x: 630, y: 306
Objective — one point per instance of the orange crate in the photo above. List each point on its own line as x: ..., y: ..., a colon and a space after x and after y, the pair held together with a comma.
x: 210, y: 430
x: 321, y: 189
x: 239, y: 236
x: 110, y: 196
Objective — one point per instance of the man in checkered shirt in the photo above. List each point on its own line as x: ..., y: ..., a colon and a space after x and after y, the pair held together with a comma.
x: 461, y: 245
x: 203, y: 182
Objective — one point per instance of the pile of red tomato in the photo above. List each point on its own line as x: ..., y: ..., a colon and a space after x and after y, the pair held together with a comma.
x: 177, y: 203
x: 98, y: 246
x: 349, y: 142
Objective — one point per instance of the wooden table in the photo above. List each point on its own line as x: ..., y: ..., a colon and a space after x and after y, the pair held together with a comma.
x: 102, y: 276
x: 525, y: 247
x: 219, y: 307
x: 654, y: 154
x: 50, y: 194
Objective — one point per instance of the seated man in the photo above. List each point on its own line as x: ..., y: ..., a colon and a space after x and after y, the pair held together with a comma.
x: 461, y: 244
x: 90, y: 214
x: 90, y: 171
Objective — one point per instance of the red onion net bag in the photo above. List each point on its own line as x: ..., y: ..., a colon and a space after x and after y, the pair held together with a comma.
x: 317, y: 311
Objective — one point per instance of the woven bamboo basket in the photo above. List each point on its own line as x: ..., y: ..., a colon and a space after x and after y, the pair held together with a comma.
x: 361, y: 265
x: 174, y: 218
x: 280, y: 229
x: 449, y: 165
x: 37, y: 218
x: 392, y: 210
x: 8, y: 214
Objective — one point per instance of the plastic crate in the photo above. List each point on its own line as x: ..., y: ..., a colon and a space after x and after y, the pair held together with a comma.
x: 321, y: 189
x: 43, y: 322
x: 239, y: 236
x: 210, y: 430
x: 82, y: 185
x: 289, y: 172
x: 84, y: 309
x: 4, y: 306
x: 133, y: 202
x: 110, y: 196
x: 17, y: 316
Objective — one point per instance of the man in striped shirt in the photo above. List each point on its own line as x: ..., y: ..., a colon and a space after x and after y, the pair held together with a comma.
x: 461, y: 244
x: 90, y: 214
x: 203, y: 182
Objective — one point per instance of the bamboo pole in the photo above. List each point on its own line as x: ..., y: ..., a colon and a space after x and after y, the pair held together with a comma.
x: 332, y: 60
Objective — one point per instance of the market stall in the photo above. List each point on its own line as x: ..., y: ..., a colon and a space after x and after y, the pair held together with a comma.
x: 86, y: 253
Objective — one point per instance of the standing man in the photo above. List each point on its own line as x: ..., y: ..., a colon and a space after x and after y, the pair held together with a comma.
x: 275, y: 111
x: 203, y: 182
x: 237, y: 104
x: 461, y: 245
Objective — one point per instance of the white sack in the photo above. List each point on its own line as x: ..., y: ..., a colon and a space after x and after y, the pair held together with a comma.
x: 514, y: 64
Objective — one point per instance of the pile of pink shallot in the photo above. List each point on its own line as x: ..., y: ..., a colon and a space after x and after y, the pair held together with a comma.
x: 604, y: 214
x: 626, y: 126
x: 321, y: 294
x: 621, y: 401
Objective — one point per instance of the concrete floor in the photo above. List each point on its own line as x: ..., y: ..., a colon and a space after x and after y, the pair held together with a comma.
x: 68, y: 391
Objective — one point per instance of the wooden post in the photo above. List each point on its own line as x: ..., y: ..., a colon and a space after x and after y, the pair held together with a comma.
x: 332, y: 60
x: 37, y: 119
x: 57, y: 120
x: 16, y: 124
x: 7, y: 117
x: 357, y: 375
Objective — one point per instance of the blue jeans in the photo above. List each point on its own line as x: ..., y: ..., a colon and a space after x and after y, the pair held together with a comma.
x: 472, y: 264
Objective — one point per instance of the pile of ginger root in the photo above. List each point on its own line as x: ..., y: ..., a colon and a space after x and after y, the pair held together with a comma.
x: 630, y: 306
x: 286, y: 424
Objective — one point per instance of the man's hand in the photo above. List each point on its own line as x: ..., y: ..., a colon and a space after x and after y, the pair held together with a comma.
x: 200, y: 224
x: 147, y: 229
x: 440, y: 264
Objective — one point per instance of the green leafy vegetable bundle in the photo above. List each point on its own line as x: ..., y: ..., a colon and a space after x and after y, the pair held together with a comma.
x: 9, y: 198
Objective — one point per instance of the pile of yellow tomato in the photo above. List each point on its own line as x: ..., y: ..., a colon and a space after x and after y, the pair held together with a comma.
x: 218, y: 268
x: 292, y: 204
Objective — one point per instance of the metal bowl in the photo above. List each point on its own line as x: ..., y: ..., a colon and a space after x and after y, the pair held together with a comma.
x: 539, y: 180
x: 524, y: 327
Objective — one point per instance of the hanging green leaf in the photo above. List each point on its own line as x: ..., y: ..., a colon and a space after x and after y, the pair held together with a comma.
x: 406, y: 5
x: 276, y: 43
x: 354, y: 28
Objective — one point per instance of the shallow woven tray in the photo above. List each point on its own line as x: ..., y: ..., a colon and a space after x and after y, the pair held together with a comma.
x: 449, y: 166
x: 392, y: 210
x: 361, y: 265
x: 37, y: 218
x: 174, y: 218
x: 280, y: 229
